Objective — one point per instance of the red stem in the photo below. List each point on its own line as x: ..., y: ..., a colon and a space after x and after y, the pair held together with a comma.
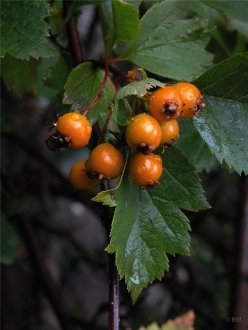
x: 76, y: 49
x: 99, y: 94
x: 105, y: 126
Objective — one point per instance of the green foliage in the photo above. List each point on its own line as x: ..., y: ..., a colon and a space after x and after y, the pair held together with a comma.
x: 24, y: 31
x: 9, y: 241
x: 223, y: 123
x: 223, y: 126
x: 126, y: 21
x: 193, y: 147
x: 235, y: 9
x: 107, y: 197
x: 170, y: 46
x: 121, y: 113
x: 106, y: 13
x: 148, y: 224
x: 19, y: 75
x: 55, y: 72
x: 138, y: 88
x: 228, y: 79
x: 83, y: 86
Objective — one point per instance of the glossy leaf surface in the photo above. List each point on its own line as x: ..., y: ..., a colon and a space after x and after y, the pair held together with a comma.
x: 166, y: 43
x: 148, y: 224
x: 82, y: 87
x: 223, y: 126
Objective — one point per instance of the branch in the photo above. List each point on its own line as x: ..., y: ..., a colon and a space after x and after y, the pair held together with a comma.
x: 74, y: 41
x: 105, y: 126
x: 99, y: 94
x: 114, y: 317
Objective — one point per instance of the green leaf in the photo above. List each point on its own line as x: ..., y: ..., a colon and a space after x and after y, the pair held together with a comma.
x: 121, y: 113
x: 223, y: 126
x: 228, y: 79
x: 167, y: 44
x: 108, y: 197
x: 9, y: 241
x: 148, y: 224
x: 194, y: 147
x: 23, y: 29
x: 138, y: 88
x: 235, y: 9
x: 19, y: 75
x: 107, y: 21
x: 135, y: 3
x: 55, y: 72
x: 180, y: 183
x: 82, y: 87
x: 126, y: 20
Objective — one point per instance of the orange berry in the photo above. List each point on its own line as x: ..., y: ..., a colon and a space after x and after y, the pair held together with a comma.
x: 165, y: 103
x: 143, y: 130
x: 170, y: 132
x: 105, y: 161
x: 79, y: 177
x: 75, y: 128
x: 145, y: 170
x: 192, y: 99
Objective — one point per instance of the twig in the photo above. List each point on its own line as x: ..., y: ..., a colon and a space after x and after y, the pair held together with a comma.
x: 76, y: 49
x: 118, y: 72
x: 105, y: 126
x: 114, y: 313
x: 107, y: 213
x: 54, y: 40
x: 99, y: 94
x: 114, y: 317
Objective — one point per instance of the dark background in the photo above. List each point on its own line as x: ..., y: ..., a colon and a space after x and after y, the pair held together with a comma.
x: 55, y: 270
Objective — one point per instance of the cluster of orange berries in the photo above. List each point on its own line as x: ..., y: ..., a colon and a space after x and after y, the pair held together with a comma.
x: 144, y: 132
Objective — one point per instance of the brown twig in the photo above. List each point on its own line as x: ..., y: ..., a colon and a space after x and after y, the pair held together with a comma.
x: 105, y: 126
x: 99, y: 94
x: 107, y: 212
x: 76, y: 49
x: 54, y: 40
x: 118, y: 72
x: 113, y: 273
x: 121, y: 74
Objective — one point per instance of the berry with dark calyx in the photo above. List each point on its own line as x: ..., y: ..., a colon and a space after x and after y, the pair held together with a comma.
x: 170, y: 132
x: 165, y: 103
x: 105, y: 161
x: 145, y: 170
x: 56, y: 141
x: 192, y: 99
x: 143, y: 131
x: 79, y: 178
x: 75, y: 128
